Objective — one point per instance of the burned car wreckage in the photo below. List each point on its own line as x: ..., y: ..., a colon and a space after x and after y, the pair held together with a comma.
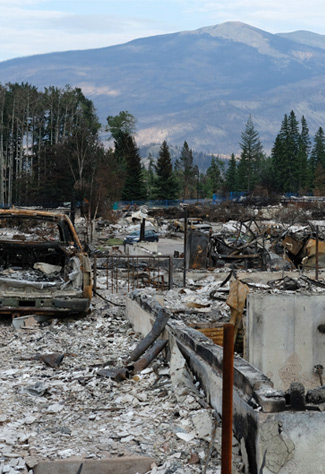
x: 43, y: 268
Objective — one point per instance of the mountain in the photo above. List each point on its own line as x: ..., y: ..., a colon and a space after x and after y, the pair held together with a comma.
x: 198, y: 86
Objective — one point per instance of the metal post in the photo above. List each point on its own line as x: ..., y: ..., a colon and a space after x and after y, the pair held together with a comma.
x: 227, y: 397
x: 107, y: 272
x: 116, y: 273
x: 142, y: 230
x: 170, y: 273
x: 112, y: 275
x: 95, y: 274
x: 185, y: 246
x: 317, y: 254
x: 198, y: 186
x: 137, y: 270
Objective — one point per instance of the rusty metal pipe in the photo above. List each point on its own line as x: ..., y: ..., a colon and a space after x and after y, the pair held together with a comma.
x: 95, y: 275
x: 149, y: 356
x: 170, y: 273
x: 185, y: 247
x: 157, y: 328
x: 227, y: 397
x: 317, y: 253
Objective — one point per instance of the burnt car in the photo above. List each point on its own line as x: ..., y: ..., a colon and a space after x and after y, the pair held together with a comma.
x: 43, y: 267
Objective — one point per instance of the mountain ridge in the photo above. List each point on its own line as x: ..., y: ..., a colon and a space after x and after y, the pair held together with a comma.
x: 198, y: 85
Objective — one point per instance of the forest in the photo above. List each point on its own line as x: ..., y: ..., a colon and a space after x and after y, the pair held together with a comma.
x: 52, y: 151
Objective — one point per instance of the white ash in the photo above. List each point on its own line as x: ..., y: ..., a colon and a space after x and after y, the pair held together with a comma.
x: 53, y: 414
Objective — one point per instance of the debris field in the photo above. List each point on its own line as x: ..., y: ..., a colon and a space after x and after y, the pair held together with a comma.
x: 67, y: 390
x: 56, y: 404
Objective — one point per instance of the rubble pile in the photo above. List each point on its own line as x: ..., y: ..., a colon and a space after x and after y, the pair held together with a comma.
x: 203, y: 301
x: 58, y: 402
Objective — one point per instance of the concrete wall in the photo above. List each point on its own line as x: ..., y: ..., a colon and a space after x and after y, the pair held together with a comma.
x: 282, y: 337
x: 273, y: 439
x: 141, y: 248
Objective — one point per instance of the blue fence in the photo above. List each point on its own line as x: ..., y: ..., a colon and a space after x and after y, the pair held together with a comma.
x: 235, y: 196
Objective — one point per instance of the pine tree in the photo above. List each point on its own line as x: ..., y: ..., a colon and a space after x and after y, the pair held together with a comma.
x: 214, y: 176
x: 121, y: 128
x: 134, y: 185
x: 231, y: 175
x: 319, y: 181
x: 165, y: 183
x: 250, y: 157
x: 150, y: 177
x: 187, y: 172
x: 303, y: 153
x: 289, y: 154
x: 317, y: 161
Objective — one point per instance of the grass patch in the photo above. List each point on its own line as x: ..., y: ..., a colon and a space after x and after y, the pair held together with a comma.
x: 114, y: 241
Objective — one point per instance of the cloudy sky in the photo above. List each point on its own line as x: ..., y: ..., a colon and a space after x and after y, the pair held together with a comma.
x: 40, y: 26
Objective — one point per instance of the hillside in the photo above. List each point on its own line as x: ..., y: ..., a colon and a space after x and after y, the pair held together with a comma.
x: 198, y: 86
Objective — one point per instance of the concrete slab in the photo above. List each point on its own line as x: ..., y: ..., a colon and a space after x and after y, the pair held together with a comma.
x: 122, y: 465
x: 272, y: 441
x: 282, y: 338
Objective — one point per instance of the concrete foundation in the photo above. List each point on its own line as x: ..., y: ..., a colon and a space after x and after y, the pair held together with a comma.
x: 273, y: 438
x: 127, y: 465
x: 141, y: 248
x: 282, y: 337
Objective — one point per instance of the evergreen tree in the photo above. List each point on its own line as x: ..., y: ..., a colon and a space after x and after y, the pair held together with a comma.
x: 165, y: 183
x: 285, y: 155
x: 118, y: 125
x: 186, y: 172
x: 134, y: 188
x: 319, y: 181
x: 121, y: 128
x: 214, y: 176
x: 150, y: 177
x: 266, y: 176
x: 231, y: 175
x: 318, y: 151
x: 317, y: 160
x: 250, y: 157
x: 303, y: 153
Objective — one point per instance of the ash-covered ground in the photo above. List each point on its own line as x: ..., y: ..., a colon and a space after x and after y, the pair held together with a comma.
x: 68, y: 410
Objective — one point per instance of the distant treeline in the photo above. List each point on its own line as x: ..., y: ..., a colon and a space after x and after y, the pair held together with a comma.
x: 51, y: 151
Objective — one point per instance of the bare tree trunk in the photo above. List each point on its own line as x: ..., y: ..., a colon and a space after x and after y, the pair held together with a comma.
x: 11, y: 155
x: 2, y: 131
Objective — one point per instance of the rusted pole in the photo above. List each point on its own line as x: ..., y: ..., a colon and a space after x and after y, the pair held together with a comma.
x: 107, y: 273
x: 185, y: 247
x: 227, y: 397
x: 317, y: 265
x: 95, y: 274
x: 170, y: 273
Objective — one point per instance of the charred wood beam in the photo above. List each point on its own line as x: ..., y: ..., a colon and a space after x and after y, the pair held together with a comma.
x: 157, y: 328
x: 227, y: 278
x: 115, y: 373
x: 149, y: 356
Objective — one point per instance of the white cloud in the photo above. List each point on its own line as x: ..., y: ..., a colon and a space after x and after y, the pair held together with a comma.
x: 290, y: 14
x: 20, y: 3
x: 92, y: 90
x: 19, y: 18
x: 41, y: 26
x: 25, y: 31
